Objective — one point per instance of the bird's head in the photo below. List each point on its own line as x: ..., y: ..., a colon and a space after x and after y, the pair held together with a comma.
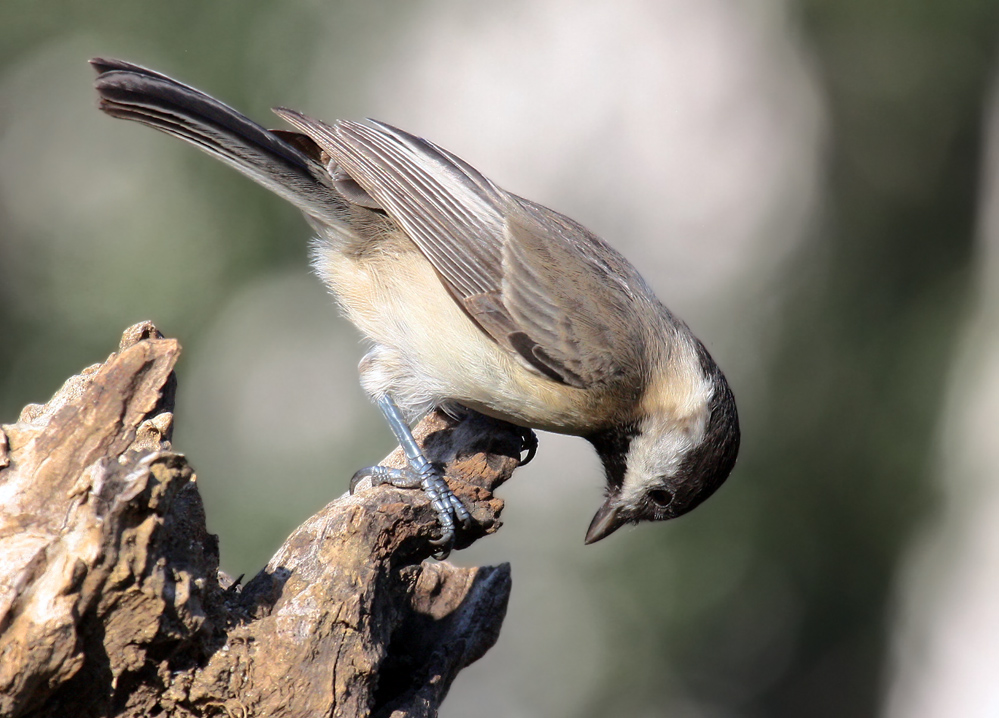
x: 672, y: 457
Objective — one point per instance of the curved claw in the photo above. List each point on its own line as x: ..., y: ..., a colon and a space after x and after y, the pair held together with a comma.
x: 529, y: 443
x: 446, y: 541
x: 359, y: 476
x: 460, y: 511
x: 400, y: 478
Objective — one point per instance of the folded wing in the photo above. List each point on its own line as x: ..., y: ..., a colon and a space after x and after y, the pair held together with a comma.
x: 540, y: 285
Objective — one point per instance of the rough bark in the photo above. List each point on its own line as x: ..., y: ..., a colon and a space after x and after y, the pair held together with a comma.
x: 111, y: 601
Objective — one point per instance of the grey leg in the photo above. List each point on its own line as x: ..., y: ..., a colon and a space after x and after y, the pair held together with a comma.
x: 419, y: 474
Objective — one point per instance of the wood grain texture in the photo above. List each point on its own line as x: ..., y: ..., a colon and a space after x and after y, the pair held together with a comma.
x: 111, y: 601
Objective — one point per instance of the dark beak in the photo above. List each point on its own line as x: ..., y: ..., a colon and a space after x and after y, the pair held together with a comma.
x: 606, y: 521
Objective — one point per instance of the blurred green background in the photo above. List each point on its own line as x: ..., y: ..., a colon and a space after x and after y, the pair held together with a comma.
x: 806, y: 182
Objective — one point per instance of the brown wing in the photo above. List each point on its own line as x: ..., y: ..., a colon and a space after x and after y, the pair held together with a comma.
x: 540, y: 285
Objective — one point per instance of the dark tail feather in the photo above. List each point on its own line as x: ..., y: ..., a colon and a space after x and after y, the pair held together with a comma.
x: 286, y: 167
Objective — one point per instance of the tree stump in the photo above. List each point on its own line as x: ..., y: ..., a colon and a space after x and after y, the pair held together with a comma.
x: 111, y: 601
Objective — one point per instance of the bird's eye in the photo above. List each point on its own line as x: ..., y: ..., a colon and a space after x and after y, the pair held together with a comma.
x: 661, y: 497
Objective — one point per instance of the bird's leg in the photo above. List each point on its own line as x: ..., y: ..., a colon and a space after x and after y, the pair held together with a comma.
x: 419, y: 474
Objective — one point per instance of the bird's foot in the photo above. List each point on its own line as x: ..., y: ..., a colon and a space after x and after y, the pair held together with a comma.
x: 448, y: 507
x: 419, y: 474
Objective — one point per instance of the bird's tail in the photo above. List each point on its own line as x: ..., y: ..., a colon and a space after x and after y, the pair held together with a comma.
x: 287, y: 163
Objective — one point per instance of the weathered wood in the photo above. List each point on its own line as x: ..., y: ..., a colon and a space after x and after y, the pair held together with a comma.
x: 111, y: 601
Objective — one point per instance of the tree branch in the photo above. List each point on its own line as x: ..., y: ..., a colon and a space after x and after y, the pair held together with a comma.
x: 111, y: 601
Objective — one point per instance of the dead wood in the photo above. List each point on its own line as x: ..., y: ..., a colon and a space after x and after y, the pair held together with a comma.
x: 111, y: 601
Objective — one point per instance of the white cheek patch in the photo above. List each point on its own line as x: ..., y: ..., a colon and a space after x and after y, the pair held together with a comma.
x: 659, y: 451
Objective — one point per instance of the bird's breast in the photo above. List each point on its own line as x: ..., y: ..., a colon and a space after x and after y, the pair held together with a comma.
x: 427, y: 351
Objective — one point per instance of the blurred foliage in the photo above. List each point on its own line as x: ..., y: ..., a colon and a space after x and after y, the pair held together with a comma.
x: 774, y: 600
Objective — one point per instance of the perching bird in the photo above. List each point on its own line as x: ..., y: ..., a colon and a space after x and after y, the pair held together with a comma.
x: 475, y: 297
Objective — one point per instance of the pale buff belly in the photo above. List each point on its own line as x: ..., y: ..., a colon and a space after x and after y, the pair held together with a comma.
x: 427, y: 350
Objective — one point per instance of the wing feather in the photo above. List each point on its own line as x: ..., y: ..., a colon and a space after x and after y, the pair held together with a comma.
x: 537, y: 283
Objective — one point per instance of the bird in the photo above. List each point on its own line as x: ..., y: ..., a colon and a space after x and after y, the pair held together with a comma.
x: 473, y: 298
